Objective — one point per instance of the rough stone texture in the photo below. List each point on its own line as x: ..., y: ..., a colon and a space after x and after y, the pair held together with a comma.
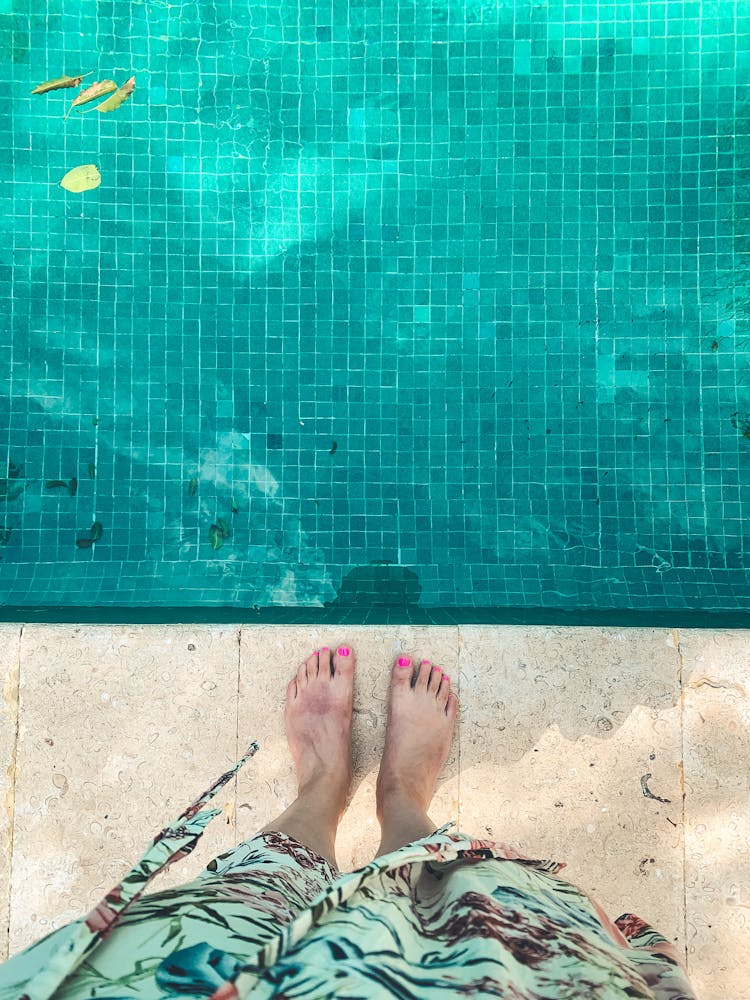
x: 269, y: 658
x: 10, y: 636
x: 716, y: 677
x: 559, y: 725
x: 120, y: 729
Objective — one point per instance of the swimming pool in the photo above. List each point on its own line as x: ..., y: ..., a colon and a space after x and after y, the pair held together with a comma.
x: 384, y: 305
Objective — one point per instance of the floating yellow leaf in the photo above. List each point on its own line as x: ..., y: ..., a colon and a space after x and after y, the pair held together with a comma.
x: 82, y: 178
x: 91, y: 93
x: 59, y: 83
x: 119, y: 97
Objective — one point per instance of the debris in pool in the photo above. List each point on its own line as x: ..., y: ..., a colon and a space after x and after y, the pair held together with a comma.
x: 60, y: 83
x: 83, y: 178
x: 741, y: 423
x: 10, y: 491
x: 334, y: 446
x: 235, y: 506
x: 5, y: 535
x: 119, y: 97
x: 55, y: 484
x: 92, y: 470
x: 215, y: 537
x: 715, y: 345
x: 98, y: 89
x: 95, y: 534
x: 223, y: 527
x: 193, y: 486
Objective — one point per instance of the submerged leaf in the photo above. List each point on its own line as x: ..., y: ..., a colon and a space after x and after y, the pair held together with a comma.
x: 73, y: 486
x: 96, y: 531
x: 5, y: 535
x: 84, y: 543
x: 91, y: 93
x: 83, y: 178
x: 119, y: 97
x: 215, y: 537
x: 334, y: 446
x: 223, y: 527
x: 92, y: 470
x: 54, y: 484
x: 235, y: 506
x: 8, y: 491
x: 59, y: 83
x: 193, y: 486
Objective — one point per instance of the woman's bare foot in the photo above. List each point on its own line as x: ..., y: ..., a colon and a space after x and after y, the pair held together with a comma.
x: 318, y: 719
x: 421, y: 720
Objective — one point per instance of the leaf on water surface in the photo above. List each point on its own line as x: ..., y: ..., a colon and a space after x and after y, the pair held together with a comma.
x: 96, y: 531
x: 223, y: 527
x: 84, y: 543
x: 59, y: 83
x: 83, y: 178
x: 215, y: 537
x: 98, y: 89
x: 92, y: 470
x: 119, y: 97
x: 193, y: 486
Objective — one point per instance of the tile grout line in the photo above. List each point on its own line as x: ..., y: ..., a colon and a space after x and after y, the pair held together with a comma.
x: 237, y: 754
x: 12, y: 691
x: 680, y: 660
x: 459, y: 724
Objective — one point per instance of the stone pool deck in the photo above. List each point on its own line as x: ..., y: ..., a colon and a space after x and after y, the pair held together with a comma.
x: 625, y: 752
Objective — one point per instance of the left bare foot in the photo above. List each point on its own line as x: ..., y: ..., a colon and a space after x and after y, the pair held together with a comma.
x: 318, y: 719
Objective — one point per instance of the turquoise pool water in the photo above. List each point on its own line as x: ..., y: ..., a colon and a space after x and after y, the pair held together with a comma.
x: 438, y: 304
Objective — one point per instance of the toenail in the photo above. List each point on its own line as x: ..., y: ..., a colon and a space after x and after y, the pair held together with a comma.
x: 438, y: 670
x: 324, y: 649
x: 404, y: 661
x: 315, y: 652
x: 343, y: 650
x: 425, y: 661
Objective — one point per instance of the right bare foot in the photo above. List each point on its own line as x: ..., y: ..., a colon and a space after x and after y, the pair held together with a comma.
x: 421, y: 719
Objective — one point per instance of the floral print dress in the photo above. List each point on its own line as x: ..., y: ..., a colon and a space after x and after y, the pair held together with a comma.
x: 444, y: 917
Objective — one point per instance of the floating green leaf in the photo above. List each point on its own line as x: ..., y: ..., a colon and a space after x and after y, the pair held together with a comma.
x: 83, y: 178
x: 235, y: 506
x: 92, y: 470
x: 223, y: 527
x: 215, y: 537
x: 91, y: 93
x: 119, y: 97
x: 60, y: 83
x: 193, y: 486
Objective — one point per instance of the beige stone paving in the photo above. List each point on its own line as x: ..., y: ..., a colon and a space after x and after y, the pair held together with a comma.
x: 120, y: 727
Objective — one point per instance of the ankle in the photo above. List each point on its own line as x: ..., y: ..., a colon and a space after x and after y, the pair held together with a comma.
x: 398, y: 797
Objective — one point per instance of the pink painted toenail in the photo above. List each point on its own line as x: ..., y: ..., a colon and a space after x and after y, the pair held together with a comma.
x: 404, y: 661
x: 315, y: 652
x: 437, y: 670
x: 425, y: 661
x: 324, y: 649
x: 343, y: 651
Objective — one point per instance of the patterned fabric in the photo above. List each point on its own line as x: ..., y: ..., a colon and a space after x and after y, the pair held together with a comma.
x: 446, y: 916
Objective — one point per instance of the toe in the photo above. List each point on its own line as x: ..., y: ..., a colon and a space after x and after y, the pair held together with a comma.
x: 402, y: 671
x: 302, y: 675
x: 433, y: 683
x: 444, y: 690
x: 343, y: 662
x: 291, y: 689
x: 312, y: 664
x: 423, y: 677
x: 324, y: 661
x: 451, y: 706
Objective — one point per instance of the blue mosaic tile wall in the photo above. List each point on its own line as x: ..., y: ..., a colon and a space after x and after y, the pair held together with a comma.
x: 436, y: 304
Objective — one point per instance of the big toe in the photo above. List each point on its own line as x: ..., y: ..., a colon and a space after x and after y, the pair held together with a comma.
x: 343, y: 662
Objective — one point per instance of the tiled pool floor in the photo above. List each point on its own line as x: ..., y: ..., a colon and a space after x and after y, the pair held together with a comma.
x: 572, y: 743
